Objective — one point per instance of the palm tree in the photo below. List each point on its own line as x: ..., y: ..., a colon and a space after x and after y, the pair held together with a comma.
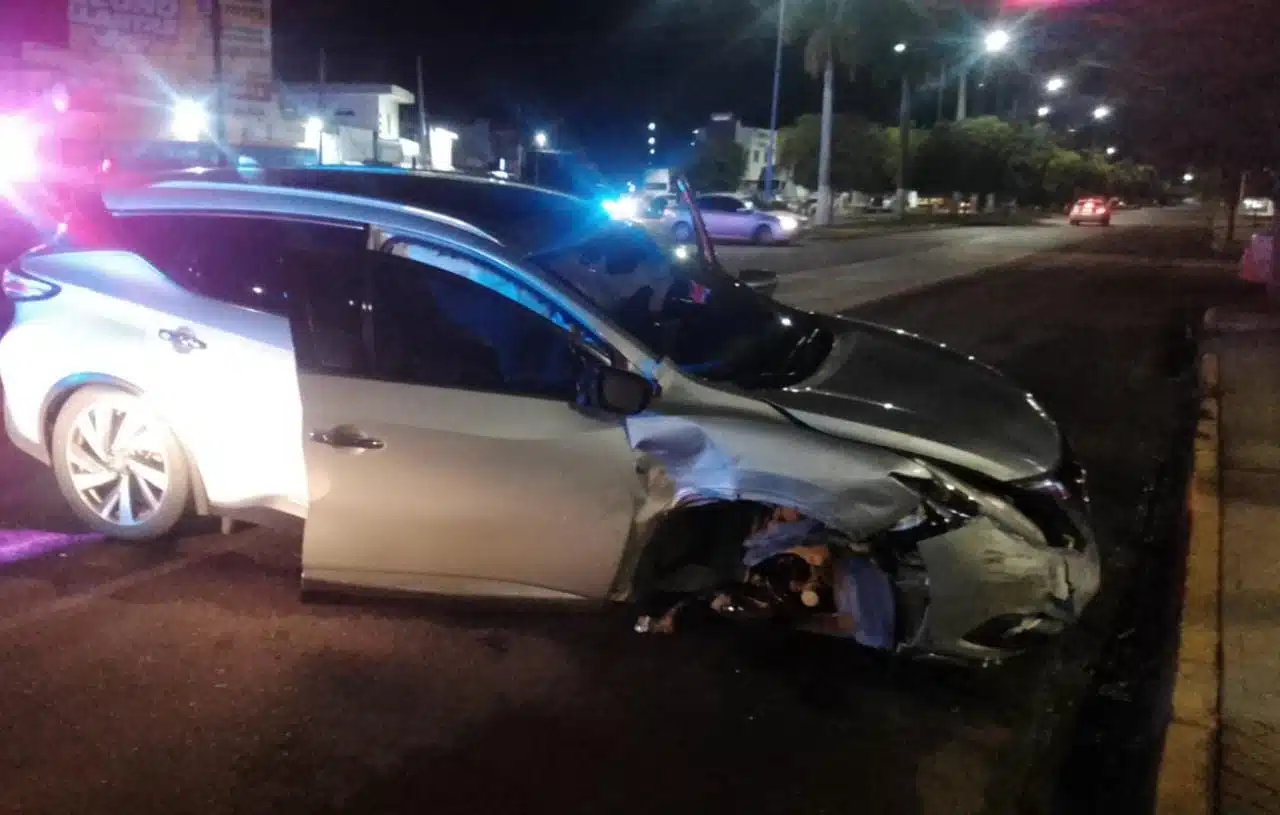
x: 830, y: 33
x: 849, y: 32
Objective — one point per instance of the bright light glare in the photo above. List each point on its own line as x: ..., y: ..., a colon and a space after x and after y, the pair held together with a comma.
x: 540, y: 138
x: 1043, y: 111
x: 996, y: 41
x: 621, y: 209
x: 190, y: 120
x: 899, y: 48
x: 1101, y: 112
x: 1111, y: 151
x: 1055, y: 84
x: 61, y: 99
x: 682, y: 253
x: 652, y: 140
x: 651, y: 151
x: 19, y: 152
x: 653, y: 125
x: 787, y: 222
x: 1188, y: 177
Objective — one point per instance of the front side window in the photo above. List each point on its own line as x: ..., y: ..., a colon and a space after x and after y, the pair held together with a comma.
x: 435, y: 327
x: 684, y: 309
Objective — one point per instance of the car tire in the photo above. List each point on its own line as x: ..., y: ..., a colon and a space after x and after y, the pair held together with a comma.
x: 763, y: 236
x: 1074, y: 223
x: 1107, y: 222
x: 682, y: 232
x: 152, y: 474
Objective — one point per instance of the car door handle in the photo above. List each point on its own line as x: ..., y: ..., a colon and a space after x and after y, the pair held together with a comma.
x: 347, y: 437
x: 182, y: 340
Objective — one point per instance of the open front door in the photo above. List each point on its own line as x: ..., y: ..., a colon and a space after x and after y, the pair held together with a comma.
x: 443, y: 448
x: 459, y: 492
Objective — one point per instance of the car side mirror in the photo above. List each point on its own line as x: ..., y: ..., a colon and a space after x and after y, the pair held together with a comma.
x: 759, y: 280
x: 617, y: 391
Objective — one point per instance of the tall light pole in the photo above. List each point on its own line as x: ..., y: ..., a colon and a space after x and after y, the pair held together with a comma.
x: 994, y: 41
x: 904, y: 135
x: 773, y: 108
x: 219, y: 105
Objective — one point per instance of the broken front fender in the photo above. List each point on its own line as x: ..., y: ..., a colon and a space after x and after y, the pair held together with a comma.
x: 843, y: 485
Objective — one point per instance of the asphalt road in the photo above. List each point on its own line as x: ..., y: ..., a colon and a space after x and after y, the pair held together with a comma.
x: 194, y: 679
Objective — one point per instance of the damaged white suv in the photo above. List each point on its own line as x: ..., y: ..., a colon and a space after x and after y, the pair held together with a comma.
x: 477, y: 388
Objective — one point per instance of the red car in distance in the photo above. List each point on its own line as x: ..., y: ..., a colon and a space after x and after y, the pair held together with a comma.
x: 1090, y: 210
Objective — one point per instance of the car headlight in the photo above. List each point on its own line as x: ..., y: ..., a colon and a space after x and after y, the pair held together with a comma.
x: 621, y: 209
x: 787, y: 222
x: 946, y: 503
x: 940, y: 503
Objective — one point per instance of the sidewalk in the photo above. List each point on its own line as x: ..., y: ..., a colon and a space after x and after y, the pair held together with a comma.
x: 1222, y: 748
x: 1249, y: 777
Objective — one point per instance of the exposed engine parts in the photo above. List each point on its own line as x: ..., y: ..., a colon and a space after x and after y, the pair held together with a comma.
x: 795, y: 572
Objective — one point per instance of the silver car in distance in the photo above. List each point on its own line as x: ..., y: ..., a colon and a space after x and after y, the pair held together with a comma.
x: 500, y: 391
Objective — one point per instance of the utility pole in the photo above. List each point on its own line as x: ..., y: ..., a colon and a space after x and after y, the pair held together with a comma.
x: 324, y: 117
x: 942, y: 91
x: 424, y: 137
x: 219, y: 108
x: 904, y: 144
x: 962, y: 99
x: 773, y: 110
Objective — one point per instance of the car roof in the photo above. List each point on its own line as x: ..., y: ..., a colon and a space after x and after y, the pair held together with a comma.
x: 524, y: 218
x: 227, y: 197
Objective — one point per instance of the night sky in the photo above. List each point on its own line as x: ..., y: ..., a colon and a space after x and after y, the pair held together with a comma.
x: 593, y: 72
x: 603, y: 69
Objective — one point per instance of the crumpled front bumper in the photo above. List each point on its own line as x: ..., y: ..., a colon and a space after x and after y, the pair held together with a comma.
x: 992, y: 589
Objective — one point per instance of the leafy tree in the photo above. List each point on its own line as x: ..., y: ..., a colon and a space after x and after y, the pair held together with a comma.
x: 1064, y: 173
x: 860, y: 153
x: 717, y: 164
x: 849, y: 33
x: 937, y: 161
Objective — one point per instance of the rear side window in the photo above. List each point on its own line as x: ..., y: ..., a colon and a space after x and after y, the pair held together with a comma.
x: 255, y: 263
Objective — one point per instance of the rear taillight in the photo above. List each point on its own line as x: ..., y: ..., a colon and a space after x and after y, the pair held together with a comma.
x: 19, y: 286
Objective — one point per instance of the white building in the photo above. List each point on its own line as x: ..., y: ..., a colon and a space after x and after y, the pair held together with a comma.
x: 353, y: 123
x: 754, y: 142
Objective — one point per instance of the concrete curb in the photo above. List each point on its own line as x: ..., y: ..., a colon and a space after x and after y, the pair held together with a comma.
x: 1188, y: 775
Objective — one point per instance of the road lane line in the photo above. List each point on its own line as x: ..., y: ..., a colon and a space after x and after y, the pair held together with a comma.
x: 78, y: 601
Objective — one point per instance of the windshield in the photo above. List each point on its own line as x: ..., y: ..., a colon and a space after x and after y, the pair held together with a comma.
x: 688, y: 310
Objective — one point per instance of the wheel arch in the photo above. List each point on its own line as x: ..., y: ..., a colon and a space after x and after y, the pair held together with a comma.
x: 67, y: 387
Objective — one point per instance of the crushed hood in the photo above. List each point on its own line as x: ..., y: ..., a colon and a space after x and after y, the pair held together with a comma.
x: 891, y: 388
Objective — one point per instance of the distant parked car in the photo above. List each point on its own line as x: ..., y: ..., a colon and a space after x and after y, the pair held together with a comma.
x: 732, y: 218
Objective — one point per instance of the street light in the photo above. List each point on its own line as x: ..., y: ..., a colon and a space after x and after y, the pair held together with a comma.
x: 651, y: 151
x: 1188, y: 177
x: 1111, y: 151
x: 652, y: 141
x: 540, y: 139
x: 1043, y: 111
x: 1055, y: 84
x: 190, y: 120
x: 653, y: 125
x: 899, y: 48
x: 1101, y: 112
x: 996, y: 41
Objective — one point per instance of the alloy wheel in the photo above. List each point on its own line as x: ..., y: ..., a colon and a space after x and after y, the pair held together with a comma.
x: 117, y: 461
